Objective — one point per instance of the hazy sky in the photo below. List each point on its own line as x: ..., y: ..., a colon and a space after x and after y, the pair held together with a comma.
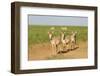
x: 57, y: 20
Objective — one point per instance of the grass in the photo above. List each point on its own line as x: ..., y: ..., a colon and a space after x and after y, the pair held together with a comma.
x: 39, y: 34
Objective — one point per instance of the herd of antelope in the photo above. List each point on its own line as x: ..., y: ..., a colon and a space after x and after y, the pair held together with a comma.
x: 62, y: 42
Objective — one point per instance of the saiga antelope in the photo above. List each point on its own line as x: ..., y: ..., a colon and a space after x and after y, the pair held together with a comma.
x: 73, y: 40
x: 65, y: 40
x: 55, y: 41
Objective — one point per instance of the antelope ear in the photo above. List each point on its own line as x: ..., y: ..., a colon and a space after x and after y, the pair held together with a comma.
x: 48, y: 32
x: 76, y: 32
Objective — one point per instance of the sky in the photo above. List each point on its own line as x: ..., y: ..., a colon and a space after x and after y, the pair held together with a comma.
x: 57, y: 20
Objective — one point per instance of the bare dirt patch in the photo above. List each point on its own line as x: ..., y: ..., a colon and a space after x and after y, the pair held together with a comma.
x: 44, y: 52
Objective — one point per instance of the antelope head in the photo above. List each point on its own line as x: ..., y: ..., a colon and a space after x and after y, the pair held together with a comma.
x: 50, y: 33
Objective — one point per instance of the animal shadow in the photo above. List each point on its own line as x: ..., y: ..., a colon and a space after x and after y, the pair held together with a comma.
x: 74, y: 48
x: 63, y: 51
x: 68, y: 50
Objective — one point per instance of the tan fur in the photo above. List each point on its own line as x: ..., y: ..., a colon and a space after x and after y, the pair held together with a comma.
x: 64, y: 39
x: 73, y: 40
x: 55, y: 41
